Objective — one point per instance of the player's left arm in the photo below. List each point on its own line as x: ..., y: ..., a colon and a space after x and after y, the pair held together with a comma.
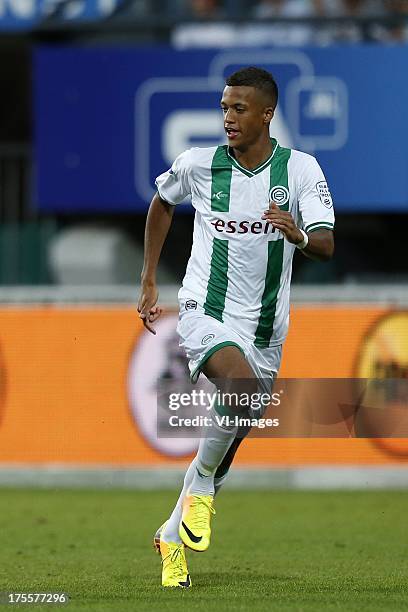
x: 320, y: 246
x: 315, y: 216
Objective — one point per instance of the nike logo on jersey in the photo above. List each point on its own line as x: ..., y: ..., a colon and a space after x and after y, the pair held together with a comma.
x: 190, y: 534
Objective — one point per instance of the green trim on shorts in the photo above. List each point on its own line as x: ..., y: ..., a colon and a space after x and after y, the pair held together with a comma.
x: 214, y: 349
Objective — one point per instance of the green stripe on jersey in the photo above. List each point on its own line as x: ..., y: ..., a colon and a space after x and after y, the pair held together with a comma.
x: 278, y: 179
x: 270, y: 295
x: 279, y: 173
x: 218, y: 281
x: 221, y: 173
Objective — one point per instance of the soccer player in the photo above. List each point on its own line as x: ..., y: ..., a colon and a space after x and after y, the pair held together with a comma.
x: 255, y: 203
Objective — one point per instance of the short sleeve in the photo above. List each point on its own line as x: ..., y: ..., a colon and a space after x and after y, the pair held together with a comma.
x: 173, y: 186
x: 315, y: 201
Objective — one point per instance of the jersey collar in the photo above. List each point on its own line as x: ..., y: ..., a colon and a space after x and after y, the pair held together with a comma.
x: 258, y: 168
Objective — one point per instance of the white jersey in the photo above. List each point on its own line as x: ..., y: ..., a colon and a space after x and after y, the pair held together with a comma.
x: 240, y: 267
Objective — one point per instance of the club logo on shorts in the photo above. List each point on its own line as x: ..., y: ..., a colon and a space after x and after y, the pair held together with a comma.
x: 279, y: 195
x: 207, y: 339
x: 324, y: 194
x: 191, y: 305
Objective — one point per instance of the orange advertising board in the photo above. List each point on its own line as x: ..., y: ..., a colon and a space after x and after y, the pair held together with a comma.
x: 77, y: 382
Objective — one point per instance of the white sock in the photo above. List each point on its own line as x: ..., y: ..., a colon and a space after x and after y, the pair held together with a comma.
x: 211, y: 452
x: 171, y: 532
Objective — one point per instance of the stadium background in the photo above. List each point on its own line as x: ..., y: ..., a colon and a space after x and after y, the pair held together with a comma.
x: 98, y: 98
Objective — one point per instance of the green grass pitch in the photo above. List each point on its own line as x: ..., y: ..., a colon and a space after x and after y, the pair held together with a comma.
x: 271, y: 550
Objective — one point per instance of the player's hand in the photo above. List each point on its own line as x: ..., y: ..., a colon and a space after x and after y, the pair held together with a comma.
x: 146, y: 307
x: 283, y: 221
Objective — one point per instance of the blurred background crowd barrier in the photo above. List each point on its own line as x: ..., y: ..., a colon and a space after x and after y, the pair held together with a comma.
x: 79, y: 381
x: 98, y: 97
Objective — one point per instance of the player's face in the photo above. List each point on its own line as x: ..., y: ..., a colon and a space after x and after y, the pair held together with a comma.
x: 246, y: 115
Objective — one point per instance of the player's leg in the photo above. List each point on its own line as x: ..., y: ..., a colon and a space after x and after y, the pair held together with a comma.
x: 266, y: 364
x: 193, y: 327
x: 221, y: 473
x: 168, y: 543
x: 170, y: 532
x: 227, y: 367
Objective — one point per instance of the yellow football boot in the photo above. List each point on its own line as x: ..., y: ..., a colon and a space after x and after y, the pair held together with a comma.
x: 174, y: 572
x: 194, y: 529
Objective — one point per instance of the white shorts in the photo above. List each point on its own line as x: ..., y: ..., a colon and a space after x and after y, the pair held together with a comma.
x: 202, y: 335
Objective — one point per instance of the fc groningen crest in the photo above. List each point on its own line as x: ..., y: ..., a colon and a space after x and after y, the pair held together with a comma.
x: 279, y: 195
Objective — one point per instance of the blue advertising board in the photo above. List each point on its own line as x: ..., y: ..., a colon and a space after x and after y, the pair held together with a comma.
x: 109, y: 120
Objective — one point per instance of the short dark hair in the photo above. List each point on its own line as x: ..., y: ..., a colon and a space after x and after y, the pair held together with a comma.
x: 257, y: 78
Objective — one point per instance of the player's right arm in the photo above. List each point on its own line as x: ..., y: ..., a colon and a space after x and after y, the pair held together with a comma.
x: 158, y: 223
x: 173, y: 187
